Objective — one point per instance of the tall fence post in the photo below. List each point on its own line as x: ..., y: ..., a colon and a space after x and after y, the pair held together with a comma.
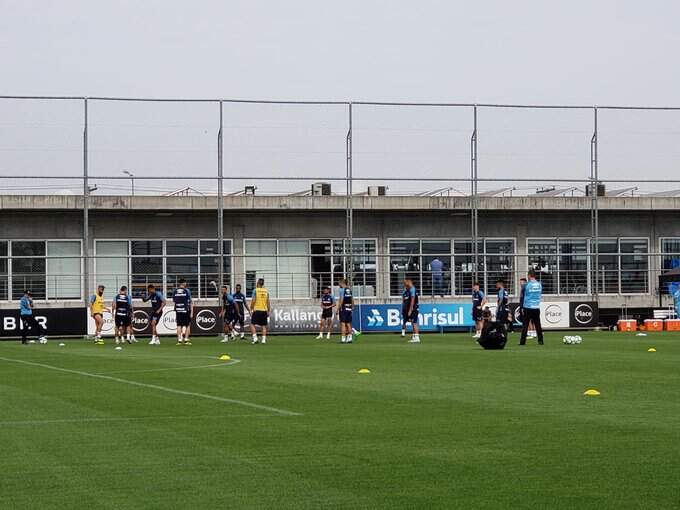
x: 350, y: 212
x: 473, y: 197
x: 86, y: 208
x: 220, y: 201
x: 594, y: 212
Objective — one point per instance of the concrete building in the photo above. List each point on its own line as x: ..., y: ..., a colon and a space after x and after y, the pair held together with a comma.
x: 296, y: 243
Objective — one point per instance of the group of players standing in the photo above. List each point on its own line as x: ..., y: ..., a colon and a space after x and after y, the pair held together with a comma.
x: 234, y: 305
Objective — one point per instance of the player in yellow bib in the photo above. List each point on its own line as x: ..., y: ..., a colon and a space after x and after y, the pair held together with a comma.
x: 260, y: 308
x: 97, y: 309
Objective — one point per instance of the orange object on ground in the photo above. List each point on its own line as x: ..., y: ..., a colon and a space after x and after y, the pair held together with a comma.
x: 627, y: 325
x: 672, y: 324
x: 653, y: 324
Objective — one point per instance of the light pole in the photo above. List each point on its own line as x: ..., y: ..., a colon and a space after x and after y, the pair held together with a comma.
x: 132, y: 180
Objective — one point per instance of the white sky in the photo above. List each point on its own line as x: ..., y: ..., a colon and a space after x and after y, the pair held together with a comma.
x: 577, y: 52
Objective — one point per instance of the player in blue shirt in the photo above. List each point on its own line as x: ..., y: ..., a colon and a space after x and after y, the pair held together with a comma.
x: 122, y: 316
x: 181, y: 297
x: 327, y: 305
x: 228, y: 314
x: 502, y: 302
x: 241, y: 305
x: 533, y: 291
x: 409, y: 310
x: 28, y: 320
x: 478, y: 303
x: 157, y: 305
x: 345, y: 308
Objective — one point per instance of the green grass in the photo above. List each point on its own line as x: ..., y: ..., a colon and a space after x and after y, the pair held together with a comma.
x: 437, y: 425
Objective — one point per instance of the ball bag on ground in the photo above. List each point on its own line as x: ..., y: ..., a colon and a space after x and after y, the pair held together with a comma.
x: 494, y: 336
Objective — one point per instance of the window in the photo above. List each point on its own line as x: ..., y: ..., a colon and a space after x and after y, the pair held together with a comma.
x: 464, y: 266
x: 499, y: 263
x: 329, y: 260
x: 28, y: 269
x: 260, y: 262
x: 670, y: 250
x: 496, y: 261
x: 404, y: 263
x: 413, y: 259
x: 573, y: 266
x: 210, y: 267
x: 111, y: 266
x: 634, y: 266
x: 607, y: 272
x: 146, y: 266
x: 4, y: 270
x: 543, y: 260
x: 181, y: 263
x: 363, y: 267
x: 63, y: 270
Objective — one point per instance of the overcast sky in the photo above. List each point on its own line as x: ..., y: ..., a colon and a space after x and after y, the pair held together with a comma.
x: 576, y: 52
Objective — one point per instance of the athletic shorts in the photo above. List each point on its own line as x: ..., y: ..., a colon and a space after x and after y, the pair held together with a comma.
x: 413, y: 318
x: 327, y: 313
x: 123, y: 321
x: 156, y: 316
x: 502, y: 316
x: 229, y: 316
x: 259, y: 318
x: 183, y: 319
x: 346, y: 316
x: 477, y: 314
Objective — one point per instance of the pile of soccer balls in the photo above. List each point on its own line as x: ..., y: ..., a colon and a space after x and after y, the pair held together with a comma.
x: 572, y: 339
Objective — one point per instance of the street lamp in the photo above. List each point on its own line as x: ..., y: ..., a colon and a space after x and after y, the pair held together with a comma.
x: 132, y: 180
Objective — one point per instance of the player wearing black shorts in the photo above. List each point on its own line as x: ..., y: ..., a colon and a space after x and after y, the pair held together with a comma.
x: 345, y: 308
x: 122, y: 316
x: 241, y: 306
x: 228, y: 314
x: 478, y: 302
x: 327, y: 306
x: 157, y: 304
x: 183, y: 312
x: 260, y: 307
x: 409, y: 310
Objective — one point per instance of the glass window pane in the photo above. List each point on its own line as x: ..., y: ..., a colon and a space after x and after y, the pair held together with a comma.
x: 634, y: 267
x: 182, y: 268
x: 4, y: 248
x: 4, y: 266
x: 28, y: 273
x: 464, y: 265
x: 111, y: 266
x: 404, y: 263
x: 543, y: 260
x: 293, y: 269
x: 181, y: 247
x: 320, y: 265
x: 573, y: 262
x: 146, y: 247
x: 608, y: 267
x: 145, y: 270
x: 499, y: 267
x: 260, y: 262
x: 363, y: 267
x: 437, y: 276
x: 63, y: 280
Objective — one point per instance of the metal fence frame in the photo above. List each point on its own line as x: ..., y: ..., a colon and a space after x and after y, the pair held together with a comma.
x: 349, y: 178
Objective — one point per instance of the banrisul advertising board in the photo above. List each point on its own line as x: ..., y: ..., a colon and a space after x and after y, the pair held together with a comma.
x: 431, y: 317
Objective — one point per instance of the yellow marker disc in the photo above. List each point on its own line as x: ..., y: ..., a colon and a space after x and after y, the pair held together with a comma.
x: 591, y: 393
x: 651, y: 349
x: 225, y: 357
x: 364, y: 371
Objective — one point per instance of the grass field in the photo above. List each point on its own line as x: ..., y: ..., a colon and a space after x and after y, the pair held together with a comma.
x: 292, y: 425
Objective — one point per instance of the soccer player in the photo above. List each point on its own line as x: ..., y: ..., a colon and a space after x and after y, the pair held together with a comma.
x: 260, y: 308
x: 478, y: 303
x: 437, y: 266
x: 97, y: 310
x: 345, y: 307
x: 28, y: 320
x: 409, y: 310
x: 241, y: 306
x: 122, y: 314
x: 327, y: 305
x: 157, y: 305
x: 183, y: 312
x: 501, y: 303
x: 228, y: 314
x: 533, y: 291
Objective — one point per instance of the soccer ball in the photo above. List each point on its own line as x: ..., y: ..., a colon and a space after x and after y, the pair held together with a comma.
x: 43, y: 340
x: 572, y: 339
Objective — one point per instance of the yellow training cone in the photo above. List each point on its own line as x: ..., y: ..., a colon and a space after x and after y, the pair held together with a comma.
x: 225, y: 357
x: 651, y: 349
x: 591, y: 393
x: 364, y: 371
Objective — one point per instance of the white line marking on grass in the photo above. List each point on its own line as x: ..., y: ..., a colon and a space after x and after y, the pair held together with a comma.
x: 132, y: 418
x: 156, y: 387
x: 146, y: 370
